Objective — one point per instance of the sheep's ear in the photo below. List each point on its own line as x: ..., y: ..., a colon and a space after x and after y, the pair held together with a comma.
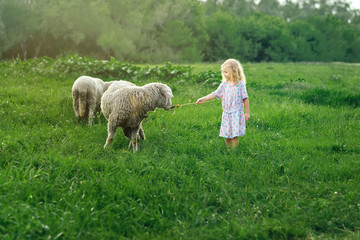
x: 168, y: 95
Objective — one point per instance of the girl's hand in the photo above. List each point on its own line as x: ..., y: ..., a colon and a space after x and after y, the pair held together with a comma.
x: 206, y: 98
x: 199, y: 101
x: 247, y: 116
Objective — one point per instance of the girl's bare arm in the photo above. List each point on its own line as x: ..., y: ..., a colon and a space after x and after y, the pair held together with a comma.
x: 206, y: 98
x: 247, y: 109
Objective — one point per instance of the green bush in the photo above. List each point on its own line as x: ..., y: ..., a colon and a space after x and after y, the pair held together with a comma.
x: 75, y: 64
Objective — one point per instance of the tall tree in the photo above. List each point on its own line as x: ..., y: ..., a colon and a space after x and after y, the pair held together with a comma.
x: 223, y: 37
x: 19, y: 24
x: 270, y: 7
x: 241, y: 8
x: 2, y: 33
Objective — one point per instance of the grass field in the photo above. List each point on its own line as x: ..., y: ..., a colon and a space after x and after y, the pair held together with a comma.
x: 295, y: 174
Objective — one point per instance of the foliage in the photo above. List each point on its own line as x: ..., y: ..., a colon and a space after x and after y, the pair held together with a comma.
x: 113, y: 69
x: 266, y: 38
x: 293, y: 176
x: 118, y: 70
x: 224, y: 40
x: 209, y: 77
x: 181, y: 31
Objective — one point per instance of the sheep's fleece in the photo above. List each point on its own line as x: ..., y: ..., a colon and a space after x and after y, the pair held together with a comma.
x: 126, y: 105
x: 87, y: 93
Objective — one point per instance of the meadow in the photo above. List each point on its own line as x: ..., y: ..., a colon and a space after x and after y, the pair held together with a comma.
x: 295, y: 174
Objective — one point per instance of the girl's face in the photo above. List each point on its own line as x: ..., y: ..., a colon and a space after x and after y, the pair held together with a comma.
x: 226, y: 73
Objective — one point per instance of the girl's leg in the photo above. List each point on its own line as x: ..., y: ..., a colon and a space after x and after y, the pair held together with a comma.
x: 228, y: 142
x: 232, y: 142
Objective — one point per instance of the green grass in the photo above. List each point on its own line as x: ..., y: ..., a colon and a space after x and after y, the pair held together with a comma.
x: 295, y: 174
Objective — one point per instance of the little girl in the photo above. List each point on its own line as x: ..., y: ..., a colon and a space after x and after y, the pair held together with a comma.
x: 234, y: 97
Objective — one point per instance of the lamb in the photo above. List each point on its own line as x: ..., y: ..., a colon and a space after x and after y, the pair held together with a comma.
x: 126, y: 105
x: 87, y: 93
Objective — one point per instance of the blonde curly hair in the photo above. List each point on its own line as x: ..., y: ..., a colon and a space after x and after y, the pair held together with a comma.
x: 235, y: 69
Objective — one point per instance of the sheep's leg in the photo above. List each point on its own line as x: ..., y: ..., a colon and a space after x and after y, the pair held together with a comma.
x: 76, y: 104
x: 91, y: 114
x: 134, y: 139
x: 111, y: 132
x: 134, y: 143
x: 141, y: 132
x: 82, y: 102
x: 90, y: 106
x: 128, y: 133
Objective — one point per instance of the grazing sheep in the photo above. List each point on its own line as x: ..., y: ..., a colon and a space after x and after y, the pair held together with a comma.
x: 126, y: 105
x: 87, y: 93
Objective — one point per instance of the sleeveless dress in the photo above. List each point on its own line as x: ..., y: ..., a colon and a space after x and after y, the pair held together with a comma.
x: 233, y: 118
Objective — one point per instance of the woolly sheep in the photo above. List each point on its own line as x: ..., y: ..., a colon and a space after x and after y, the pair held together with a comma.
x: 126, y: 105
x: 87, y: 92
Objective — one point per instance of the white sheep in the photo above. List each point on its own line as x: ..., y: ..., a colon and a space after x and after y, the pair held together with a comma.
x: 126, y: 105
x: 87, y: 92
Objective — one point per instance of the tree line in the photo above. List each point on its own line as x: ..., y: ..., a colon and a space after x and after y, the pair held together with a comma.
x: 155, y: 31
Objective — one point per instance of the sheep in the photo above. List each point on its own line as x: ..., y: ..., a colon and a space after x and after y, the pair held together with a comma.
x: 126, y: 105
x: 87, y: 92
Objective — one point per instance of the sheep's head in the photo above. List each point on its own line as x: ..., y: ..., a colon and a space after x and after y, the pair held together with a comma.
x: 165, y: 98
